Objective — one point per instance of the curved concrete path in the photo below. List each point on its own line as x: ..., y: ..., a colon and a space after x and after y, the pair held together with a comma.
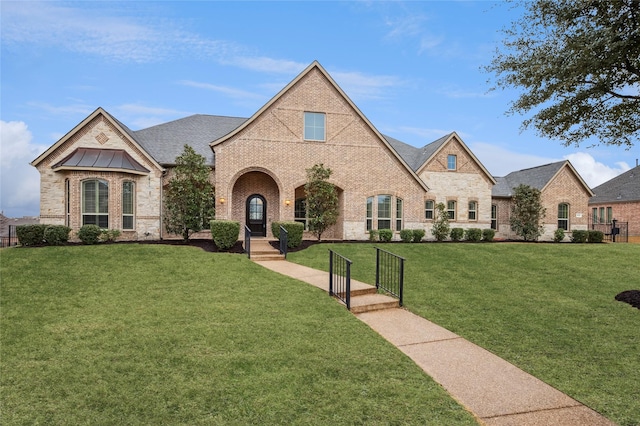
x: 495, y: 391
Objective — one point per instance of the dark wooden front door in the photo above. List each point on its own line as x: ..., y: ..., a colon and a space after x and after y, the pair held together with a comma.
x: 257, y: 215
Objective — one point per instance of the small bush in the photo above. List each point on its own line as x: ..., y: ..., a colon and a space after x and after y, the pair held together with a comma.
x: 579, y: 236
x: 456, y: 234
x: 406, y: 235
x: 225, y: 233
x: 473, y: 234
x: 558, y: 236
x: 31, y: 235
x: 418, y: 235
x: 109, y: 235
x: 385, y: 235
x: 90, y: 234
x: 488, y: 234
x: 294, y: 232
x: 373, y: 235
x: 595, y: 236
x: 56, y: 235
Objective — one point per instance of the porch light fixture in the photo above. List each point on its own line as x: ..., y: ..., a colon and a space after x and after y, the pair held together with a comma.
x: 287, y: 202
x: 222, y: 200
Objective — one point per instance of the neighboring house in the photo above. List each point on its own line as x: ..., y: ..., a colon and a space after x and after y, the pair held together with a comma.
x: 565, y: 196
x: 8, y: 228
x: 619, y: 199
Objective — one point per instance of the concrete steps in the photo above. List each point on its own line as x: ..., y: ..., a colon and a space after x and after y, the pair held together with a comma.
x: 262, y: 250
x: 372, y: 302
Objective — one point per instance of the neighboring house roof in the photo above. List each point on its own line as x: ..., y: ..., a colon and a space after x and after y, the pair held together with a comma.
x: 15, y: 221
x: 100, y: 159
x: 535, y: 177
x: 620, y: 189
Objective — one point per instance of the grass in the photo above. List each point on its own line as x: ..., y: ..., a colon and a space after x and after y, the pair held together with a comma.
x: 547, y: 308
x: 153, y: 334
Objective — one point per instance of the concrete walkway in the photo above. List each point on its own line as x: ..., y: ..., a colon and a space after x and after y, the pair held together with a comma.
x: 493, y: 390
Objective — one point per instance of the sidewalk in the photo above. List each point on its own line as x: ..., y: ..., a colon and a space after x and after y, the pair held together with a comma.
x: 495, y: 391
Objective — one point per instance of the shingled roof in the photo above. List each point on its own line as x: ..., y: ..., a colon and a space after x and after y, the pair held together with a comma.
x: 620, y: 189
x: 415, y: 157
x: 535, y: 177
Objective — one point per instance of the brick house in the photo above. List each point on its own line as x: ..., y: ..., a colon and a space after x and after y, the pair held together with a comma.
x: 103, y: 173
x: 619, y: 199
x: 564, y: 194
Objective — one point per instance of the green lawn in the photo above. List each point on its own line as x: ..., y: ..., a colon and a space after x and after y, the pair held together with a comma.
x: 547, y: 308
x: 152, y: 334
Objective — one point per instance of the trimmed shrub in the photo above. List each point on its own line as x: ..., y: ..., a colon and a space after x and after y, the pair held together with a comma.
x: 90, y: 234
x: 31, y: 235
x: 225, y: 233
x: 385, y: 235
x: 418, y: 235
x: 473, y: 234
x: 579, y: 236
x: 488, y: 234
x: 456, y: 234
x: 373, y: 235
x: 56, y: 235
x: 558, y: 235
x: 294, y: 232
x: 109, y: 235
x: 406, y: 235
x: 595, y: 236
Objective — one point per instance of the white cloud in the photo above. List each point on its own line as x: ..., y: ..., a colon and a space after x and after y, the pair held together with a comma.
x: 227, y: 91
x: 361, y: 86
x: 20, y: 182
x: 500, y: 161
x: 265, y: 64
x: 593, y: 172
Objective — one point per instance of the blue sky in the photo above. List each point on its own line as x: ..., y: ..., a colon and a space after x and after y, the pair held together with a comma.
x: 413, y: 68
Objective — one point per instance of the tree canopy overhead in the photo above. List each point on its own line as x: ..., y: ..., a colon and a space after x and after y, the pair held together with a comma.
x: 579, y: 65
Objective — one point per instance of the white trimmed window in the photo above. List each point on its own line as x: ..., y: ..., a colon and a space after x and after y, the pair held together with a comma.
x: 369, y: 213
x: 451, y: 209
x: 429, y: 208
x: 494, y: 216
x: 95, y: 203
x: 398, y: 214
x: 473, y: 210
x: 563, y: 216
x: 384, y: 211
x: 128, y: 203
x: 452, y: 162
x: 314, y: 126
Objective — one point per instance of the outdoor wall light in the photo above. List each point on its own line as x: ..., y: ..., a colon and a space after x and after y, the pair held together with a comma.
x: 287, y: 202
x: 222, y: 200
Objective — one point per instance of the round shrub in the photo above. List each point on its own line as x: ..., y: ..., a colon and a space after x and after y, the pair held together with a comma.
x: 294, y: 232
x: 473, y: 234
x: 56, y: 235
x: 456, y: 234
x: 418, y: 235
x: 385, y: 235
x: 579, y: 236
x: 90, y: 234
x: 225, y: 233
x: 558, y: 235
x: 488, y: 234
x: 373, y: 235
x: 31, y: 235
x: 595, y: 236
x: 406, y: 235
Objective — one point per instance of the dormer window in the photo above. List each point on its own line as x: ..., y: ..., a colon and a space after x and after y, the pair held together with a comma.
x: 314, y: 126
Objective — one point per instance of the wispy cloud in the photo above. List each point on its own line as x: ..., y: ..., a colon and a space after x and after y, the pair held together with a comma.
x: 70, y: 110
x: 363, y: 87
x: 225, y: 90
x: 265, y: 64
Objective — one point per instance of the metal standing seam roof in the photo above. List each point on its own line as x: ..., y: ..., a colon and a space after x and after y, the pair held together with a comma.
x: 622, y: 188
x: 104, y: 159
x: 535, y: 177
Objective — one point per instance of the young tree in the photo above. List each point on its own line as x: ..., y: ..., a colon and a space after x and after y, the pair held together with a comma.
x: 579, y: 65
x: 440, y: 228
x: 189, y: 199
x: 322, y: 200
x: 527, y: 213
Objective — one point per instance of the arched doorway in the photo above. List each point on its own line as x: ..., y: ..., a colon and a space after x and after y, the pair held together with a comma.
x: 256, y: 215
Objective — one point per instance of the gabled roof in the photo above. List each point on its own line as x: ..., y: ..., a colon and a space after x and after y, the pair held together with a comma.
x: 536, y: 177
x: 101, y: 159
x: 620, y: 189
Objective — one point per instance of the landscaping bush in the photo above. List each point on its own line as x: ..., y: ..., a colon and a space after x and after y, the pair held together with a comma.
x: 385, y: 235
x: 56, y: 235
x: 90, y: 234
x: 406, y: 235
x: 30, y: 235
x: 595, y: 236
x: 473, y: 234
x: 488, y: 234
x: 579, y: 236
x: 294, y: 232
x: 558, y: 236
x: 456, y: 234
x: 418, y: 235
x: 109, y: 235
x: 225, y: 233
x: 373, y: 235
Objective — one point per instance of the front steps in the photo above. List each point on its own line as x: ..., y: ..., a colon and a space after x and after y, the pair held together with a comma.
x: 262, y: 250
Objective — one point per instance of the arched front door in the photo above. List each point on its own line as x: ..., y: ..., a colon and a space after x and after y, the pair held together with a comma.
x: 257, y: 215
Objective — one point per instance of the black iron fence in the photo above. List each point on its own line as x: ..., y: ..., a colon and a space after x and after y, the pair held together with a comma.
x: 11, y: 239
x: 247, y: 241
x: 340, y: 277
x: 615, y: 232
x: 284, y: 235
x: 390, y: 273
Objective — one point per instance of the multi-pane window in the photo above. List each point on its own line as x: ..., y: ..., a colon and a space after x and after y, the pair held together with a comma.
x: 609, y: 214
x: 369, y: 213
x: 563, y: 216
x: 451, y: 210
x: 314, y: 126
x: 451, y: 162
x: 128, y: 205
x: 300, y: 211
x: 429, y: 207
x: 601, y: 214
x: 494, y: 216
x: 398, y: 214
x: 95, y: 203
x: 594, y: 215
x: 473, y: 210
x: 384, y: 211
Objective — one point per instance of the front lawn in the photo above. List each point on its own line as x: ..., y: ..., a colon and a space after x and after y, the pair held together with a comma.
x: 154, y: 334
x: 547, y: 308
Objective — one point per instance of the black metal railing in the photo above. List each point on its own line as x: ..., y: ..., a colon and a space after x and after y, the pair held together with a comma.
x: 11, y: 239
x: 340, y: 277
x: 615, y: 232
x: 284, y: 235
x: 247, y: 241
x: 390, y: 273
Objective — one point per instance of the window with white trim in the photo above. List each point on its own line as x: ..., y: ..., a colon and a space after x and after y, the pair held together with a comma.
x: 473, y: 210
x: 384, y: 211
x: 429, y: 209
x: 369, y: 213
x: 494, y: 216
x: 452, y: 162
x: 95, y: 203
x: 398, y: 214
x: 451, y: 210
x: 128, y: 205
x: 563, y: 216
x: 314, y: 126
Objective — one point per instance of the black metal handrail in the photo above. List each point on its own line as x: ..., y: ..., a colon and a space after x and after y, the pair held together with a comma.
x: 284, y: 235
x: 390, y: 273
x: 11, y: 239
x: 247, y: 241
x: 340, y: 277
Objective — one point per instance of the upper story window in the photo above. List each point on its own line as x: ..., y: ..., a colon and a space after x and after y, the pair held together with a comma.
x: 314, y: 126
x: 452, y: 162
x: 563, y: 216
x: 128, y: 191
x: 429, y: 207
x: 473, y: 210
x: 95, y: 203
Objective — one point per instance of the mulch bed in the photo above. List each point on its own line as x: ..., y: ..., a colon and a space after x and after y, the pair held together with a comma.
x: 631, y: 297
